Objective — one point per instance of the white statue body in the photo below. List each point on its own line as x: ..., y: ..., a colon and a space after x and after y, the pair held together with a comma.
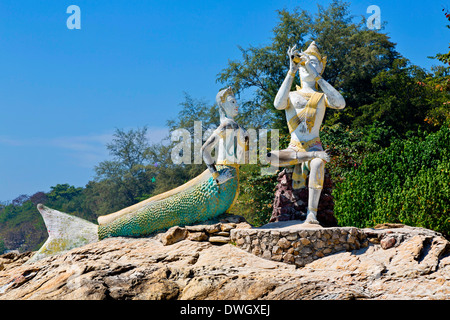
x: 305, y: 111
x: 297, y: 103
x: 226, y: 135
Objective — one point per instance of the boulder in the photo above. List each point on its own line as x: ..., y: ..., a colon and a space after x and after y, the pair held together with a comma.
x: 173, y: 235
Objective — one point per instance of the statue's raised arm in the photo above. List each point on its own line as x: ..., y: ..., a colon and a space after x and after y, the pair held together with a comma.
x: 282, y: 97
x: 313, y: 65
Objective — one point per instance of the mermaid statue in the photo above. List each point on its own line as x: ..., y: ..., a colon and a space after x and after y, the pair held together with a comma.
x: 210, y: 194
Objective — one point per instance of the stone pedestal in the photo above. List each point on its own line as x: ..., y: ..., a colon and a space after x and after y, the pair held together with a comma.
x: 292, y: 204
x: 296, y: 242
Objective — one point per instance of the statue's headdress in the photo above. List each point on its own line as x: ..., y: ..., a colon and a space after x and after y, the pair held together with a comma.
x: 223, y: 94
x: 221, y: 98
x: 314, y: 51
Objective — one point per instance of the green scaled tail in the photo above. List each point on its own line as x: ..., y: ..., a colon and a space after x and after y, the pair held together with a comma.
x: 198, y: 202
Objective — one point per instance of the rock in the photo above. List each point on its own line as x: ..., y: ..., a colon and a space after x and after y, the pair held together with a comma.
x: 227, y: 227
x: 222, y: 233
x: 197, y: 236
x: 305, y: 241
x: 387, y: 242
x: 292, y: 204
x: 213, y: 228
x: 13, y: 259
x: 243, y: 225
x: 416, y: 267
x: 219, y: 239
x: 174, y: 235
x: 284, y: 243
x: 389, y: 226
x: 196, y: 228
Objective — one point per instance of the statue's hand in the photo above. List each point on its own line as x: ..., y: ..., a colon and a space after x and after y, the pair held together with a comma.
x: 224, y: 176
x: 292, y: 53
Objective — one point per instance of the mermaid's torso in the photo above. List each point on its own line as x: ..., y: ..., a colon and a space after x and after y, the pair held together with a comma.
x: 200, y: 201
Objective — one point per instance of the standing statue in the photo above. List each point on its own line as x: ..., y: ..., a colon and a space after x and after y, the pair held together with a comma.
x: 210, y: 194
x: 305, y: 110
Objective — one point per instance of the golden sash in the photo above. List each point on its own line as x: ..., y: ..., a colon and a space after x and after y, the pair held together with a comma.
x: 305, y: 145
x: 307, y: 114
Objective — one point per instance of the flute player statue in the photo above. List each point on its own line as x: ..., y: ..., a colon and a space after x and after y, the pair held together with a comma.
x: 305, y: 110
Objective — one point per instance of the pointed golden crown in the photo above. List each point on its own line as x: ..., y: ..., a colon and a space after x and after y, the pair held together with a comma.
x: 223, y: 94
x: 314, y: 51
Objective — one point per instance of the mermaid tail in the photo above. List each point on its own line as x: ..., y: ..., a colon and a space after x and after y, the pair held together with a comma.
x: 197, y: 200
x: 65, y: 232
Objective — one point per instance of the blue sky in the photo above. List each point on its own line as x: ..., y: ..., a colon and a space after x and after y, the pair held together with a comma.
x: 63, y: 92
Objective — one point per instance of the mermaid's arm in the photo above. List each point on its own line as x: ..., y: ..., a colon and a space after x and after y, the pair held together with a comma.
x: 207, y: 148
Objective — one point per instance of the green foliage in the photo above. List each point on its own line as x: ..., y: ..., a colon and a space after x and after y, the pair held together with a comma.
x: 2, y: 246
x: 348, y: 147
x: 406, y: 183
x: 21, y: 226
x: 439, y: 84
x: 63, y: 192
x: 402, y: 100
x: 256, y: 195
x: 195, y: 110
x: 122, y: 181
x: 128, y: 149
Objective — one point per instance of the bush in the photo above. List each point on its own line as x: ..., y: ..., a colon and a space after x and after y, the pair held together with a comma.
x: 256, y: 195
x: 348, y: 147
x: 404, y: 183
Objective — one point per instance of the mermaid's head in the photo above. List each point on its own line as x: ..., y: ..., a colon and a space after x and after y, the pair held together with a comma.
x: 228, y: 107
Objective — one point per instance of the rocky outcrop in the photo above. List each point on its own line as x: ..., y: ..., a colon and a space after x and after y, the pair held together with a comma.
x: 397, y: 263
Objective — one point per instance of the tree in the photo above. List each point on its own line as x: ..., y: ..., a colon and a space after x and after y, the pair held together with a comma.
x: 439, y: 82
x: 2, y: 246
x: 128, y: 150
x: 355, y: 56
x: 122, y: 181
x: 38, y: 197
x: 64, y: 192
x: 20, y: 200
x: 195, y: 110
x: 401, y: 101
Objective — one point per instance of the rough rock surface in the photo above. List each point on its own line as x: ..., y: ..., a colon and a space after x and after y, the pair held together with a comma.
x: 290, y: 204
x: 415, y: 265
